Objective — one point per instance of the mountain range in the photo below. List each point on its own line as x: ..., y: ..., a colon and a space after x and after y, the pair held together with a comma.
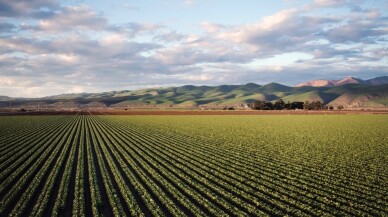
x: 349, y: 92
x: 346, y: 80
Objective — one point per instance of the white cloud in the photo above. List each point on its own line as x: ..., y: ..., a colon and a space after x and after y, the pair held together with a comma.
x: 328, y: 3
x: 74, y: 17
x: 172, y: 36
x: 213, y: 27
x: 76, y: 89
x: 7, y: 81
x: 278, y: 19
x: 60, y: 49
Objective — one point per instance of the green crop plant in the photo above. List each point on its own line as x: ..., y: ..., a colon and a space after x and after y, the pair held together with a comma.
x: 217, y: 165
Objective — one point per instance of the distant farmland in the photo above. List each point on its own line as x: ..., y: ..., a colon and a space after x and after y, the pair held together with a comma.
x: 275, y: 165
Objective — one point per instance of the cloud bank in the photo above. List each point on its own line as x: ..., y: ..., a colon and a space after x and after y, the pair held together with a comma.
x: 48, y: 48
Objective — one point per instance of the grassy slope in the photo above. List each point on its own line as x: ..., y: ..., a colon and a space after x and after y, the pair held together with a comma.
x: 231, y: 94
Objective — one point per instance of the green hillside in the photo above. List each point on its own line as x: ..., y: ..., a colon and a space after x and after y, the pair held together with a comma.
x: 356, y: 95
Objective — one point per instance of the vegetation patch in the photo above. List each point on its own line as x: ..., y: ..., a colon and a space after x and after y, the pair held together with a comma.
x: 84, y: 165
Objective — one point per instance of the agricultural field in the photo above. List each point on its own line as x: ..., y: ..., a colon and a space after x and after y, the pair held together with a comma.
x: 214, y: 165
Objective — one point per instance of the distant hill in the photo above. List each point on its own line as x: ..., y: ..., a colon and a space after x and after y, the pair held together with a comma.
x: 349, y: 92
x: 346, y: 80
x: 378, y: 80
x: 5, y: 98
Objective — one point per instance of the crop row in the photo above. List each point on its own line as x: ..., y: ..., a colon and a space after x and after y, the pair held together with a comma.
x: 157, y: 166
x: 288, y: 192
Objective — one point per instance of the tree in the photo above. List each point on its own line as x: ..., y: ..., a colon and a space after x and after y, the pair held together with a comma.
x: 306, y: 105
x: 317, y: 105
x: 279, y: 104
x: 297, y: 105
x: 340, y: 107
x: 258, y: 105
x: 288, y: 105
x: 268, y: 106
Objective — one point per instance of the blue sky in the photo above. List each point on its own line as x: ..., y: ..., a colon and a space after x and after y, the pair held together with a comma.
x: 50, y: 47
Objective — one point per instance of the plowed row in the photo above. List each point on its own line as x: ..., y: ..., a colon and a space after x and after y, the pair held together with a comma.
x: 86, y: 165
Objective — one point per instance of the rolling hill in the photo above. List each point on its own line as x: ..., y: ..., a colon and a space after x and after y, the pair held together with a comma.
x: 346, y: 80
x: 355, y: 95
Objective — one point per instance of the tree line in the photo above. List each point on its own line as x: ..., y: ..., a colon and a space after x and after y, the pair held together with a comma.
x: 281, y: 105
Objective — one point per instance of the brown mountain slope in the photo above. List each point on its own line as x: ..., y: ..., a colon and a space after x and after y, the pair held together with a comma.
x: 346, y: 80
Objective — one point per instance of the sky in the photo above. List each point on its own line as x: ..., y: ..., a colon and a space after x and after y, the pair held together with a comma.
x: 50, y: 47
